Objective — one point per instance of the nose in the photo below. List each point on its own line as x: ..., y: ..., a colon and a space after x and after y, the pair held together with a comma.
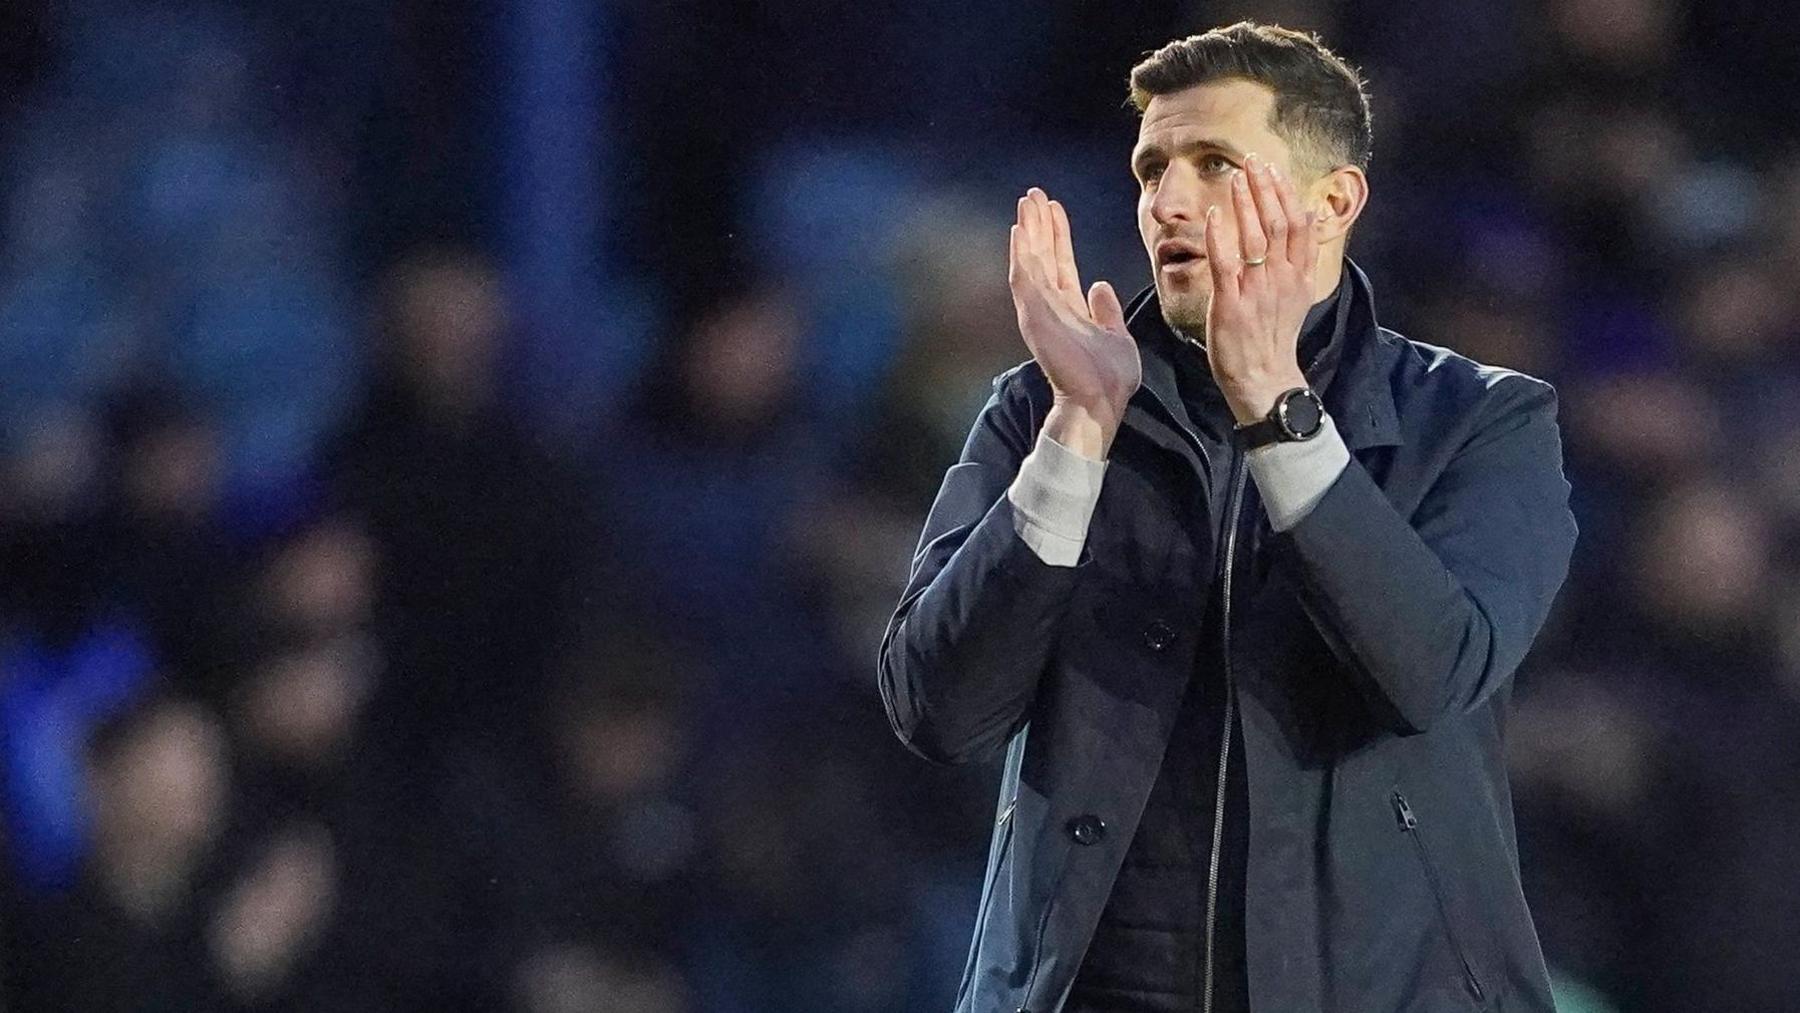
x: 1177, y: 198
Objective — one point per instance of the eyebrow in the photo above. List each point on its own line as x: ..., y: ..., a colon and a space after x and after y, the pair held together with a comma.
x: 1153, y: 151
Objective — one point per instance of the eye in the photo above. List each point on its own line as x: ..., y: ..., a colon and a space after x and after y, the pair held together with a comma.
x: 1152, y: 172
x: 1216, y: 163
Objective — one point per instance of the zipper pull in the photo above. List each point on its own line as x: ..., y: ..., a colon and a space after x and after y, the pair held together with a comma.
x: 1404, y: 813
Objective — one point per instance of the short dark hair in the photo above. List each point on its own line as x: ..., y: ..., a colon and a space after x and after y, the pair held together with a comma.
x: 1321, y: 102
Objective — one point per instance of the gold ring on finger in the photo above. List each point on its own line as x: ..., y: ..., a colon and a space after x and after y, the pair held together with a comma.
x: 1258, y: 262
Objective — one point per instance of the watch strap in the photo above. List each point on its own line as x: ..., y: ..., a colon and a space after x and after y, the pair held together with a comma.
x: 1259, y: 434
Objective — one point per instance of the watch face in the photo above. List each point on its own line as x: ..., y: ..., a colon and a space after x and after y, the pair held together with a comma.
x: 1302, y: 415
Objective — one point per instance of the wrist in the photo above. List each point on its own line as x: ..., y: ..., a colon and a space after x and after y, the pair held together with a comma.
x: 1086, y: 429
x: 1253, y: 402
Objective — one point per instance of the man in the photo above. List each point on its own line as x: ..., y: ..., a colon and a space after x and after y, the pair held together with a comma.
x: 1239, y: 579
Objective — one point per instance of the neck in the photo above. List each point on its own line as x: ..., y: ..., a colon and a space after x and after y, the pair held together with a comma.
x: 1328, y: 272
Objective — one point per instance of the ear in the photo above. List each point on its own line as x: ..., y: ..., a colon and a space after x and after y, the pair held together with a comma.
x: 1338, y: 200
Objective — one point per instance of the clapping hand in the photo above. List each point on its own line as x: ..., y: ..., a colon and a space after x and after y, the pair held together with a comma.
x: 1081, y: 343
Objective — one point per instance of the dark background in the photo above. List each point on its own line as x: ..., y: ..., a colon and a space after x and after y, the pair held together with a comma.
x: 457, y: 459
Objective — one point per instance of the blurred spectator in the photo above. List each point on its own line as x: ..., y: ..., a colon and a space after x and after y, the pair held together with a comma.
x: 271, y: 917
x: 958, y: 334
x: 1638, y: 781
x: 169, y: 562
x: 713, y: 481
x: 810, y: 907
x: 583, y: 855
x: 300, y: 707
x: 51, y: 536
x: 482, y: 534
x: 71, y: 654
x: 157, y: 782
x: 1698, y: 574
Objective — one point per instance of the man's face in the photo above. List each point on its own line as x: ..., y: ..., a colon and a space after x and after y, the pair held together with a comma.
x: 1189, y: 144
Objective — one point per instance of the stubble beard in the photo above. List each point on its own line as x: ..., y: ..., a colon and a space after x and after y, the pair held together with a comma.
x: 1186, y: 313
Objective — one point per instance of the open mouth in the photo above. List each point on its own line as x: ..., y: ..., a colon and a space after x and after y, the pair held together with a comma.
x: 1179, y: 261
x: 1175, y: 253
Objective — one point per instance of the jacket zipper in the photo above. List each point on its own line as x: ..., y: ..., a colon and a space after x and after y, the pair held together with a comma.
x: 1174, y: 421
x: 1237, y: 493
x: 1409, y: 825
x: 1218, y: 834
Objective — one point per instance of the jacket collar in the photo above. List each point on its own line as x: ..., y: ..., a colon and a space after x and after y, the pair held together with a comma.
x: 1358, y: 392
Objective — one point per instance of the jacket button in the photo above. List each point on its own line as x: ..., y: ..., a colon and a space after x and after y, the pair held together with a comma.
x: 1087, y: 830
x: 1158, y: 636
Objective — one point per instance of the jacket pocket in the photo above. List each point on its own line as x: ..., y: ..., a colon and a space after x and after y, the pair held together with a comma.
x: 1409, y: 825
x: 1003, y: 832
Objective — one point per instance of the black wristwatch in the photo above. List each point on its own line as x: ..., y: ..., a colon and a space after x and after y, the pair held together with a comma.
x: 1298, y: 415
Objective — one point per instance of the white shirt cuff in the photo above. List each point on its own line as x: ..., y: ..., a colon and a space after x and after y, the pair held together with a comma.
x: 1293, y: 477
x: 1053, y: 498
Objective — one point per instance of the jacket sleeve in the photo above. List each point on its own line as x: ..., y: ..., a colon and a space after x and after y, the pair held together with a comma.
x: 1433, y: 615
x: 959, y: 664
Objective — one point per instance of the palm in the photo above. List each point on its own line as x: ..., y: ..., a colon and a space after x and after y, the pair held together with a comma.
x: 1081, y: 344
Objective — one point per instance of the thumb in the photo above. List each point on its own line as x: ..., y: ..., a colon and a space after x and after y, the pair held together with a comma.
x: 1103, y: 305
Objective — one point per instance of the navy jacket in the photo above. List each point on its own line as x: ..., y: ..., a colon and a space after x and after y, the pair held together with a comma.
x: 1370, y: 651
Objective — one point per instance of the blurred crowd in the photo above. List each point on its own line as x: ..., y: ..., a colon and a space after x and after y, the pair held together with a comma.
x: 332, y: 678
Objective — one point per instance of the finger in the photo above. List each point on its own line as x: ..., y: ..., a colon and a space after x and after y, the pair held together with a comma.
x: 1252, y: 244
x: 1299, y: 233
x: 1310, y: 257
x: 1104, y: 307
x: 1015, y: 248
x: 1225, y: 268
x: 1027, y: 218
x: 1268, y: 210
x: 1068, y: 280
x: 1037, y: 238
x: 1024, y: 260
x: 1015, y: 268
x: 1026, y: 292
x: 1022, y: 268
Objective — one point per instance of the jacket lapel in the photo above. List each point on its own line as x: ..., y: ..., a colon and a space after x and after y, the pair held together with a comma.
x: 1156, y: 411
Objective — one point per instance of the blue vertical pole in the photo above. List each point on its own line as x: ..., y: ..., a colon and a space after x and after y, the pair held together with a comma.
x: 554, y: 187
